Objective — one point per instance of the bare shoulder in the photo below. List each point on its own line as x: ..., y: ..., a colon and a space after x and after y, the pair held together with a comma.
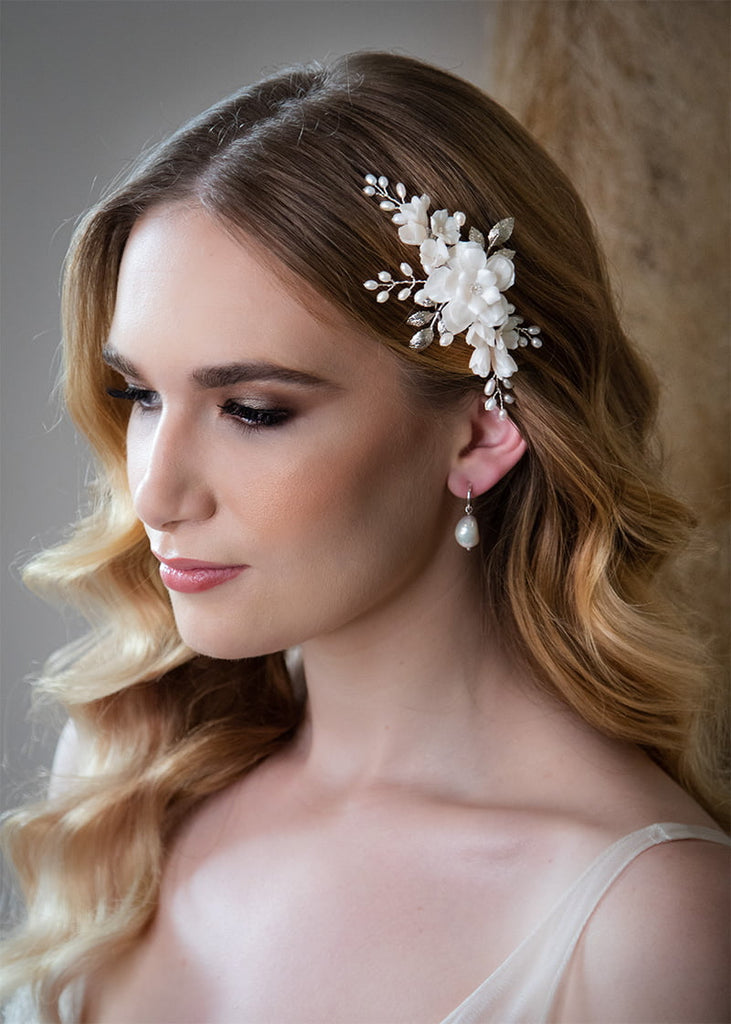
x: 657, y: 946
x: 67, y: 761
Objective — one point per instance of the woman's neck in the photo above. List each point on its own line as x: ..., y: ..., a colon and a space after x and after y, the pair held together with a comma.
x: 416, y: 694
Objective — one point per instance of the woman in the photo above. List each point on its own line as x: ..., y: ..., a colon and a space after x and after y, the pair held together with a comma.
x: 330, y: 758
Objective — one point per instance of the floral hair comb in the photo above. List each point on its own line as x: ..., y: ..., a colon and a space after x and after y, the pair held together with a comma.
x: 462, y: 290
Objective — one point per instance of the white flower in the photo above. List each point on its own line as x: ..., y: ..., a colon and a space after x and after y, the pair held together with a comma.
x: 433, y: 253
x: 509, y: 334
x: 486, y: 360
x: 503, y: 364
x: 480, y: 361
x: 469, y: 286
x: 481, y: 333
x: 445, y: 227
x: 502, y: 267
x: 413, y: 220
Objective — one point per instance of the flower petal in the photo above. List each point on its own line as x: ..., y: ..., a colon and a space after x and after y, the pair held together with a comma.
x: 444, y: 227
x: 412, y: 233
x: 503, y: 363
x: 480, y: 333
x: 503, y: 270
x: 457, y: 316
x: 433, y: 253
x: 480, y: 361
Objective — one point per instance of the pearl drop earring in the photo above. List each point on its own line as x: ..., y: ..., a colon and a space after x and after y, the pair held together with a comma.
x: 466, y: 532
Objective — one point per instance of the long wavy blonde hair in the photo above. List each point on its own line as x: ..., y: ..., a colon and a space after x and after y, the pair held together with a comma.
x: 578, y: 535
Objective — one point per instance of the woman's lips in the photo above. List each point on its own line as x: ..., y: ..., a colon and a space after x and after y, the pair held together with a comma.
x: 189, y: 576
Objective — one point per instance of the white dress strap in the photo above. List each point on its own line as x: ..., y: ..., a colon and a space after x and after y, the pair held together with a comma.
x: 584, y: 896
x: 523, y: 988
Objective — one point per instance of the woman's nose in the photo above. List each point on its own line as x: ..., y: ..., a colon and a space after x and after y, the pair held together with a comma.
x: 167, y: 475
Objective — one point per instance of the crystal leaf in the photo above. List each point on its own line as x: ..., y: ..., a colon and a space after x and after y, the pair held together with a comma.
x: 476, y: 236
x: 501, y: 232
x: 422, y: 339
x: 419, y: 318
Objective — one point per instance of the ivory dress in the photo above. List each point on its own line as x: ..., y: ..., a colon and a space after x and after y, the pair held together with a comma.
x: 523, y: 988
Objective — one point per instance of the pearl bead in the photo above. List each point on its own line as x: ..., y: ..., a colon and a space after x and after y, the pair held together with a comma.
x: 466, y: 532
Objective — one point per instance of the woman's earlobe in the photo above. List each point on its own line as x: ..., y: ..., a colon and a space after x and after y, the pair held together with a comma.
x: 496, y: 446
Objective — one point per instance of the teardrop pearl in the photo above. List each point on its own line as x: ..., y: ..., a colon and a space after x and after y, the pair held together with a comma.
x: 466, y: 532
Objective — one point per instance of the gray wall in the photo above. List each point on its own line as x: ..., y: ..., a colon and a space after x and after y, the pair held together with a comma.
x: 85, y: 85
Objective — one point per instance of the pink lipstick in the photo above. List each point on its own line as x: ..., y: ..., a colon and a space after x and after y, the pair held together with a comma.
x: 188, y: 576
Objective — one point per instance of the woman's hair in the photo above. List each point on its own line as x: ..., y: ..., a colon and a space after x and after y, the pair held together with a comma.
x: 576, y: 536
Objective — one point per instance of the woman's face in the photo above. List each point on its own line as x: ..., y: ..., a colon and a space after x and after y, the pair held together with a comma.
x: 281, y: 452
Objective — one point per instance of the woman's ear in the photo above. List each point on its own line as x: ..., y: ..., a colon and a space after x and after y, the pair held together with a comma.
x: 493, y: 448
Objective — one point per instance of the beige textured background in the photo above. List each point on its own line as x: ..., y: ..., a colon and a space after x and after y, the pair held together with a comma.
x: 632, y: 99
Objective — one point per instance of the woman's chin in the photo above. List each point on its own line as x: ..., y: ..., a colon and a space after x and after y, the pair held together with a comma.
x: 225, y: 646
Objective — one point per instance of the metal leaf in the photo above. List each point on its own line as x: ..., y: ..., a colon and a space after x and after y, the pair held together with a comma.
x: 476, y: 236
x: 419, y: 318
x: 422, y: 339
x: 501, y: 232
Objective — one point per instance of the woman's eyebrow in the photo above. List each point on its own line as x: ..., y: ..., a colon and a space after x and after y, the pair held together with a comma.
x: 117, y: 362
x: 212, y: 377
x: 240, y: 373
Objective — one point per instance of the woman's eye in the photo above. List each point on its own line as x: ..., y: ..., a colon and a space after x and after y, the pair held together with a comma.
x: 252, y: 416
x: 249, y: 415
x: 145, y: 398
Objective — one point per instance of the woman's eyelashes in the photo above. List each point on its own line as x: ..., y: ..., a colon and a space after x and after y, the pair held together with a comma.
x: 143, y: 396
x: 252, y: 416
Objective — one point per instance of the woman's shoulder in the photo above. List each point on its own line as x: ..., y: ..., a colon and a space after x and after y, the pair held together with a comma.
x: 68, y: 760
x: 657, y: 946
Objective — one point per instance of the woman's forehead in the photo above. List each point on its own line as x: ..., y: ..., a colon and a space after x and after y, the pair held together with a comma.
x: 188, y: 282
